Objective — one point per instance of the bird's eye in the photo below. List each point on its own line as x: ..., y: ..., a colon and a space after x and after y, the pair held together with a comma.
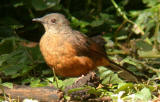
x: 53, y: 20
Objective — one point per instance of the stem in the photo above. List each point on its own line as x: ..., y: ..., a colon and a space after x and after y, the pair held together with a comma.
x: 118, y: 29
x: 124, y: 16
x: 156, y: 33
x: 55, y: 78
x: 149, y: 67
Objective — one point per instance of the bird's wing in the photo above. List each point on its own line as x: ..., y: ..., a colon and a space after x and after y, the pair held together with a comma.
x: 86, y: 46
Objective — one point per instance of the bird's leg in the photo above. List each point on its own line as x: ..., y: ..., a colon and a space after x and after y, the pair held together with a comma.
x: 55, y: 78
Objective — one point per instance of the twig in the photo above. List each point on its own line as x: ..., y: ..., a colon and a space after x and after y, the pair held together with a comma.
x: 157, y: 31
x: 149, y: 67
x: 1, y: 88
x: 124, y: 16
x: 118, y: 29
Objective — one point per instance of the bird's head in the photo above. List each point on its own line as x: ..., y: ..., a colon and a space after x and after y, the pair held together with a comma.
x: 52, y: 20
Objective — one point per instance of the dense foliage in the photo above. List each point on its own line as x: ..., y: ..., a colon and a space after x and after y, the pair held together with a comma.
x: 130, y: 28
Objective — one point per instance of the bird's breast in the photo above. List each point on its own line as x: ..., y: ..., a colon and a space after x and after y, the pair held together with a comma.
x: 53, y: 47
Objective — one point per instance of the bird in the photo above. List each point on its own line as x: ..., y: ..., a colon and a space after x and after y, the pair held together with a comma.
x: 70, y: 53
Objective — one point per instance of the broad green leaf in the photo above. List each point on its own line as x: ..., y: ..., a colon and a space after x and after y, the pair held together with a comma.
x: 69, y: 81
x: 6, y: 31
x: 149, y: 54
x: 75, y: 89
x: 35, y: 53
x: 122, y: 37
x: 79, y: 23
x: 143, y: 95
x: 142, y: 45
x: 132, y: 61
x: 12, y: 70
x: 11, y: 22
x: 124, y: 87
x: 102, y: 69
x: 51, y: 79
x: 6, y: 46
x: 3, y: 58
x: 59, y: 82
x: 93, y: 90
x: 41, y: 5
x: 47, y: 72
x: 8, y: 84
x: 37, y: 83
x: 97, y: 23
x: 108, y: 77
x: 151, y: 3
x: 18, y: 4
x: 18, y: 61
x: 106, y: 73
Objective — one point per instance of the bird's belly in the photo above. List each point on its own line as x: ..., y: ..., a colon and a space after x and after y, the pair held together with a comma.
x: 75, y: 66
x: 62, y: 57
x: 67, y: 65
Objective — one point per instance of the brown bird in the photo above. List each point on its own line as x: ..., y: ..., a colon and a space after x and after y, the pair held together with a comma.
x: 70, y: 53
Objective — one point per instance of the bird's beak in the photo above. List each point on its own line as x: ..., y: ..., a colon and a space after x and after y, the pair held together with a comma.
x: 37, y: 20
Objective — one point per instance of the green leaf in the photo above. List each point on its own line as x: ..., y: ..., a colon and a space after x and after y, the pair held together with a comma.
x: 19, y: 61
x: 97, y: 23
x: 18, y: 4
x: 16, y: 70
x: 124, y: 87
x: 76, y: 89
x: 36, y: 82
x: 6, y: 31
x: 132, y: 61
x: 105, y: 74
x: 108, y: 77
x: 123, y: 37
x: 79, y: 23
x: 144, y: 95
x: 154, y: 53
x: 93, y: 90
x: 69, y: 81
x: 151, y: 3
x: 142, y: 45
x: 3, y: 58
x: 41, y: 5
x: 50, y: 79
x: 7, y: 84
x: 35, y: 53
x: 60, y: 83
x: 11, y: 22
x: 6, y: 46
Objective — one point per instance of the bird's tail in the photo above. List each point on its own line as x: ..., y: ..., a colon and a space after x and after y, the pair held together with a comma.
x: 123, y: 72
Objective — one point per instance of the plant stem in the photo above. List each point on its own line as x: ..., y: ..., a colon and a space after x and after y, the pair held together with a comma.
x: 124, y: 16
